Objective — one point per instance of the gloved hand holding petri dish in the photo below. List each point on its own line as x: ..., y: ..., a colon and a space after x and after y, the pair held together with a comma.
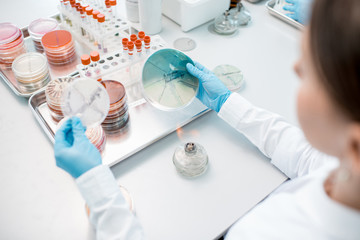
x: 166, y: 82
x: 86, y: 99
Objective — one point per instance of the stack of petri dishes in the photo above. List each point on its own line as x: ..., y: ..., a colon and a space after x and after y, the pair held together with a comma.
x: 31, y: 71
x: 38, y: 28
x: 118, y: 115
x: 59, y: 47
x: 53, y: 93
x: 97, y: 137
x: 11, y: 44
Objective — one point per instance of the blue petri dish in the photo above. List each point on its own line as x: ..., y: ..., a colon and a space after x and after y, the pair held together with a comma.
x: 167, y: 84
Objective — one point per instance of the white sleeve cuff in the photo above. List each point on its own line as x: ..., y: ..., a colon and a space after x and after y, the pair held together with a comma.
x: 234, y: 109
x: 101, y: 180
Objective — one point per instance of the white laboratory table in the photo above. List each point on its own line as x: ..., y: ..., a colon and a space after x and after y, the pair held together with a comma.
x: 40, y: 201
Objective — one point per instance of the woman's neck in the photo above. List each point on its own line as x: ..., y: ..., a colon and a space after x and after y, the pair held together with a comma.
x: 343, y: 186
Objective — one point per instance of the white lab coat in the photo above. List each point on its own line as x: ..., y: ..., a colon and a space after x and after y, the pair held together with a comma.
x: 298, y: 209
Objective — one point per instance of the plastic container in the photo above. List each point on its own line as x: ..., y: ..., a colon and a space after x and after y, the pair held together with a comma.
x: 150, y: 16
x: 132, y: 10
x: 11, y: 44
x: 59, y: 47
x: 38, y: 28
x: 31, y: 71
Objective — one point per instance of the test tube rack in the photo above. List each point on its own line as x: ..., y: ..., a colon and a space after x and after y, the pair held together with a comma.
x: 114, y: 29
x: 120, y: 61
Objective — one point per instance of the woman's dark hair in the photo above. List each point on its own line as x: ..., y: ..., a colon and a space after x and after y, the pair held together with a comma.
x: 335, y: 47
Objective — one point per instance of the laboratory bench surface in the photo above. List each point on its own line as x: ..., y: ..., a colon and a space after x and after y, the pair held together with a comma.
x: 40, y: 201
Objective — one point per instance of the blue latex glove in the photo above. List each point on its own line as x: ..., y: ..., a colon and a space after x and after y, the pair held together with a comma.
x: 300, y: 10
x: 73, y: 151
x: 212, y: 92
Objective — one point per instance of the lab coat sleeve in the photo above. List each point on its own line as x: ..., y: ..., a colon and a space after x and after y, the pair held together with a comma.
x: 275, y: 138
x: 109, y: 211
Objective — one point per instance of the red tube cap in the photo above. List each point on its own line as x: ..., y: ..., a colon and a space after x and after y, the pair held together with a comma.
x: 141, y: 34
x: 138, y: 44
x: 147, y: 39
x: 95, y: 56
x: 133, y: 37
x: 85, y: 59
x: 101, y: 18
x: 89, y: 10
x: 130, y: 45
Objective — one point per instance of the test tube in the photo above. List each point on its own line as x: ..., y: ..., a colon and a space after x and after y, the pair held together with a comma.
x: 141, y: 35
x: 95, y: 57
x: 108, y: 9
x: 96, y: 24
x: 83, y: 21
x: 133, y: 37
x: 85, y: 60
x: 101, y: 42
x: 89, y: 11
x: 130, y: 49
x: 113, y: 8
x: 125, y: 46
x: 147, y: 40
x: 138, y: 45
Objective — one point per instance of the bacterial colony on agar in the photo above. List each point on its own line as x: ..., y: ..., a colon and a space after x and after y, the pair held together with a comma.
x: 167, y: 84
x: 87, y: 100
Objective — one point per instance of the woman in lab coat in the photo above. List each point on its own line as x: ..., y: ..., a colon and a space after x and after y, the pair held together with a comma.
x: 322, y: 199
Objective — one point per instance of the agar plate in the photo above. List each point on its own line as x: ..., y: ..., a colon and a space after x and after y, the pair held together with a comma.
x: 230, y: 75
x: 166, y: 82
x: 86, y: 99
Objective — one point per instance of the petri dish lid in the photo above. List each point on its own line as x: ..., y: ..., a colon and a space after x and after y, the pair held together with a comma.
x: 56, y: 39
x: 167, y: 84
x: 39, y: 27
x: 29, y: 64
x: 8, y: 32
x: 86, y: 99
x: 230, y: 75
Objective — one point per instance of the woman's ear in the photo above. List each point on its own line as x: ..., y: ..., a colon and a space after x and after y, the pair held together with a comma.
x: 354, y: 147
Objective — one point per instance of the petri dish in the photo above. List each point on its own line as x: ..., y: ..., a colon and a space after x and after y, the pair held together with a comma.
x: 167, y: 85
x: 8, y: 33
x: 184, y: 44
x: 86, y: 99
x: 230, y: 75
x: 41, y: 26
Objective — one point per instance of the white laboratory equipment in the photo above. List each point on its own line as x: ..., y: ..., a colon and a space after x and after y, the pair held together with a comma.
x: 190, y: 14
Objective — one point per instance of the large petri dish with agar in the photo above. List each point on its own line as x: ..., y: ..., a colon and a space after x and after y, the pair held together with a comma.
x: 166, y: 82
x: 86, y: 99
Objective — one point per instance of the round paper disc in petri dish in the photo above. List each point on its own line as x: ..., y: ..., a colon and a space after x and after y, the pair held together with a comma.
x: 86, y: 99
x: 166, y: 82
x: 230, y: 75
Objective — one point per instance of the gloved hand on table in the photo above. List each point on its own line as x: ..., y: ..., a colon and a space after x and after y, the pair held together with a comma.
x: 212, y: 92
x: 73, y: 151
x: 300, y: 10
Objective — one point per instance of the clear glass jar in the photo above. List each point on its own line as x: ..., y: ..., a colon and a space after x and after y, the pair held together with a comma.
x: 224, y: 24
x: 240, y: 15
x: 191, y: 159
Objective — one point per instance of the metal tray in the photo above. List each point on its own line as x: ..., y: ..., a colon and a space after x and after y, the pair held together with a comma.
x: 55, y: 71
x: 146, y: 125
x: 270, y: 6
